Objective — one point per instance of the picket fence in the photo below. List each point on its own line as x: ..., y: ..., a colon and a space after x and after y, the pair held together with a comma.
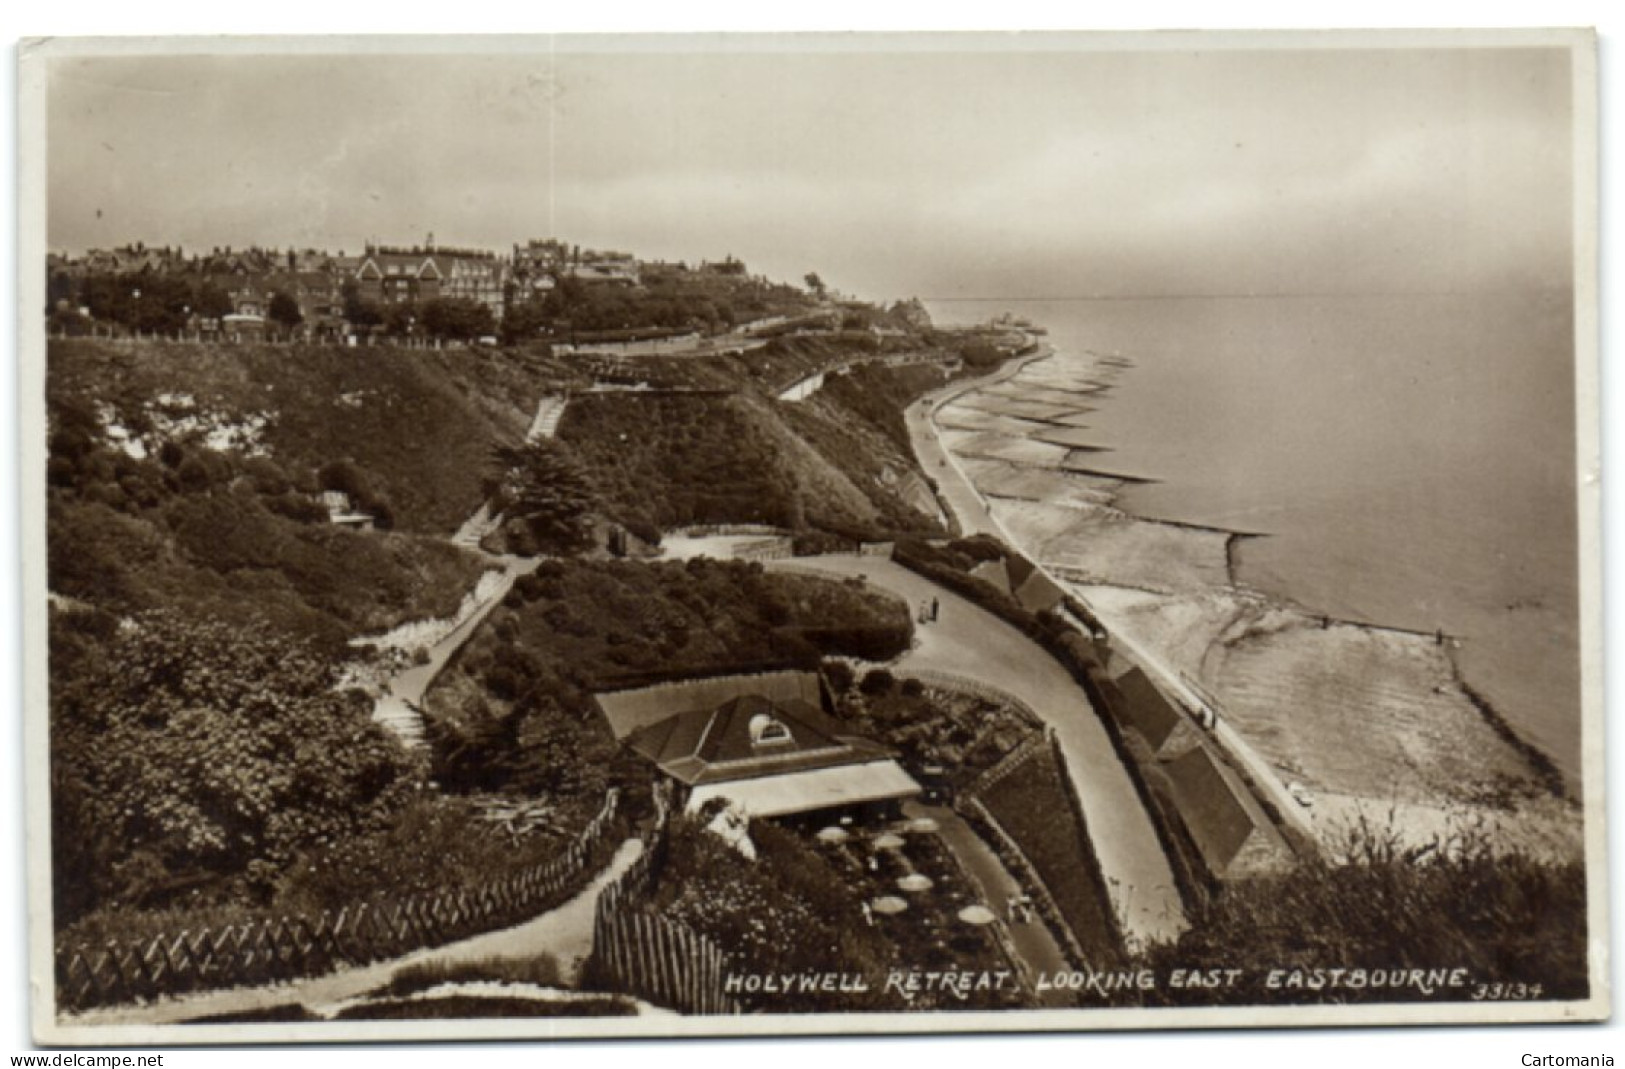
x: 709, y: 530
x: 300, y: 944
x: 947, y: 681
x: 641, y: 953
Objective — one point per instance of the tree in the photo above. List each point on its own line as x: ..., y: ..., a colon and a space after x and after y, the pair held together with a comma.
x: 211, y: 300
x: 543, y: 485
x: 398, y: 319
x: 523, y: 322
x: 814, y: 283
x: 458, y: 318
x: 284, y: 311
x: 358, y: 312
x: 186, y: 750
x: 568, y: 293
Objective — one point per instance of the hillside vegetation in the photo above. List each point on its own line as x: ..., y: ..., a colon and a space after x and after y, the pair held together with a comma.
x: 831, y: 463
x: 516, y: 713
x: 417, y: 424
x: 216, y: 535
x: 1509, y: 922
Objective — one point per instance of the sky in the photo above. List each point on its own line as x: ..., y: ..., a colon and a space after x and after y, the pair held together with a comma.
x: 1000, y: 167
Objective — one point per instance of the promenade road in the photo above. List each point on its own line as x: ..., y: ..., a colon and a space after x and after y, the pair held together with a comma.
x: 968, y: 641
x: 969, y: 510
x: 973, y: 516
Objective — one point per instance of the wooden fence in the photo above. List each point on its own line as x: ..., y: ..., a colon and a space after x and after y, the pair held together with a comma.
x: 637, y: 951
x: 708, y: 530
x: 300, y: 944
x: 765, y: 549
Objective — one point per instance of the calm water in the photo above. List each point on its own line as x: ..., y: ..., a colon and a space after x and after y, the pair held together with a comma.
x: 1412, y: 459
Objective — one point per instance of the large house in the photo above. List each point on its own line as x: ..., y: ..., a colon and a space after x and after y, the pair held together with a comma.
x: 763, y: 742
x: 539, y: 264
x: 398, y: 276
x: 469, y: 274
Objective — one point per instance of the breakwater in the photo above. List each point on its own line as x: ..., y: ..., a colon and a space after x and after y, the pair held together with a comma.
x: 1351, y: 712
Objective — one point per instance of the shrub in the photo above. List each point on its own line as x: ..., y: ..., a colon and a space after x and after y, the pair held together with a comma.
x: 1379, y: 904
x: 877, y: 682
x: 301, y: 508
x: 183, y: 753
x: 840, y: 676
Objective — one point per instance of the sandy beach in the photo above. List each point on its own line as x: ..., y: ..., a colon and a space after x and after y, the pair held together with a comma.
x: 1373, y: 723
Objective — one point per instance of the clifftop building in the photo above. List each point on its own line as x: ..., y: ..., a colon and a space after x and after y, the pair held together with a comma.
x: 392, y: 275
x: 762, y: 742
x: 397, y: 276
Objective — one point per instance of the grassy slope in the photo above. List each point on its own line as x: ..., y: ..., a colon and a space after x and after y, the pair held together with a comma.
x: 833, y: 462
x: 1501, y: 919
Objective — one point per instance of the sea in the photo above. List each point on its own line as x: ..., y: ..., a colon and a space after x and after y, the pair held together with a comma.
x: 1410, y: 458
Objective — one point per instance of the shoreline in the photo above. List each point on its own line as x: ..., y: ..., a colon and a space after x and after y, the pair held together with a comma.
x: 1206, y: 627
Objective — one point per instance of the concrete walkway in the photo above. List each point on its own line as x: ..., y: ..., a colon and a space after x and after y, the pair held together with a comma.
x: 564, y: 932
x: 969, y: 510
x: 398, y: 707
x: 996, y: 887
x: 969, y: 641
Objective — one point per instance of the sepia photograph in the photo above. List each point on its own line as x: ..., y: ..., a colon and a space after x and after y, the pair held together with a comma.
x: 770, y: 534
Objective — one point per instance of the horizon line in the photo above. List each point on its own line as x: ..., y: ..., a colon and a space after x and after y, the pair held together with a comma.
x: 1301, y: 295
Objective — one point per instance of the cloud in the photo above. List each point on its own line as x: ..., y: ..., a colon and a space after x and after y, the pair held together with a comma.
x: 977, y: 173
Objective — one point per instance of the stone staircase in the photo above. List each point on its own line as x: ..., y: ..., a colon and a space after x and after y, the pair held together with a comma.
x: 476, y: 527
x: 405, y: 722
x: 549, y: 410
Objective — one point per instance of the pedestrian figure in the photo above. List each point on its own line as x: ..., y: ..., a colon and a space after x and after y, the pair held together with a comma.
x: 934, y: 608
x: 1438, y: 637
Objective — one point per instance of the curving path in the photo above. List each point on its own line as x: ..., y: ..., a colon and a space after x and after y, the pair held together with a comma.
x: 959, y: 495
x: 564, y: 932
x: 966, y: 640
